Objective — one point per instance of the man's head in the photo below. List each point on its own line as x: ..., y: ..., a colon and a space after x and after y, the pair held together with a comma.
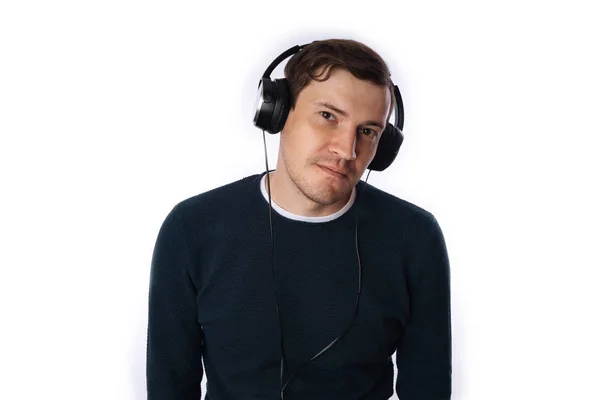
x: 341, y: 99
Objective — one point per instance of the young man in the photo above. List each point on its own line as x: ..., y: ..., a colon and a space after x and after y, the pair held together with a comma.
x: 309, y: 301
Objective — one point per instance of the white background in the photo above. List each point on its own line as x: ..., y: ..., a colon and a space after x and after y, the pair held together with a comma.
x: 113, y: 111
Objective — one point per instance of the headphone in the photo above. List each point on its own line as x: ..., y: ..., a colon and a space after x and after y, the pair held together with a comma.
x: 272, y: 108
x: 273, y: 105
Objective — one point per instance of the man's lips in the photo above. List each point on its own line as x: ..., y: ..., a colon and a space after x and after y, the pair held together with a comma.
x: 337, y: 172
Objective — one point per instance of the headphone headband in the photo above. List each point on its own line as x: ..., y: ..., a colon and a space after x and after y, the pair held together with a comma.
x: 281, y: 57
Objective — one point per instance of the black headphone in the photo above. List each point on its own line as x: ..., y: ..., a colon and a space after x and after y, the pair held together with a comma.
x: 273, y: 106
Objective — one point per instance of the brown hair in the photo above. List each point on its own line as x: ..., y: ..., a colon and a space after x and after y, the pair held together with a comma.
x: 355, y: 57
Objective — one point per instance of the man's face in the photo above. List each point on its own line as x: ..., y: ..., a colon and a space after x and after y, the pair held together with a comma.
x: 335, y: 124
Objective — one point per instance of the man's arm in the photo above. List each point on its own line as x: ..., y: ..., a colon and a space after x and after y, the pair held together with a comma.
x: 424, y: 354
x: 174, y: 337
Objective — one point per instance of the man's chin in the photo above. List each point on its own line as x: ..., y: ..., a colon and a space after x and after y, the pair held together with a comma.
x: 327, y: 191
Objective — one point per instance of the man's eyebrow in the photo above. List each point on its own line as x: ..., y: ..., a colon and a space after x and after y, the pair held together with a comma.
x: 332, y: 107
x: 344, y: 113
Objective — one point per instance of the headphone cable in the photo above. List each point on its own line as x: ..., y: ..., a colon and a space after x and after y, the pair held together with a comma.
x: 273, y: 257
x: 282, y: 386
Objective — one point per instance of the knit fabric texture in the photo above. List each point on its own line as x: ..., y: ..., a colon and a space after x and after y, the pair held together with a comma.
x: 214, y: 291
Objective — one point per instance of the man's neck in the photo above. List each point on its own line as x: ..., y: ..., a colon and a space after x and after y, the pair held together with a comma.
x: 287, y: 196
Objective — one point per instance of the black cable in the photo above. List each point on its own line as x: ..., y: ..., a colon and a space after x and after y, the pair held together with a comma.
x: 272, y: 260
x: 282, y: 386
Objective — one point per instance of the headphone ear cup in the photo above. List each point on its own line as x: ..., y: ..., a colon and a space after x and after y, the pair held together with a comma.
x: 265, y: 103
x: 282, y: 105
x: 387, y: 148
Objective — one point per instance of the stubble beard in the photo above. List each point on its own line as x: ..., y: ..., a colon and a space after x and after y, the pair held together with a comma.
x: 321, y: 194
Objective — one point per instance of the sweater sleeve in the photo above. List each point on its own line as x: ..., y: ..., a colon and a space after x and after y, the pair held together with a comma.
x: 174, y: 337
x: 424, y: 354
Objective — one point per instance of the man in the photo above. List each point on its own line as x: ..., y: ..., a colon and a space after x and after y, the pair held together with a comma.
x: 269, y: 300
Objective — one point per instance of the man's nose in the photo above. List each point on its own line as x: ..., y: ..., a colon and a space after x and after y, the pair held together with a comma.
x: 343, y: 144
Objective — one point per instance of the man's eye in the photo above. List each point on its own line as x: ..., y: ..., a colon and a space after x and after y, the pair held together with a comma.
x: 368, y: 131
x: 326, y: 115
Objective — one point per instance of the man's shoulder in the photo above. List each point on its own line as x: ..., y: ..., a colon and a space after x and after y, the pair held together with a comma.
x: 225, y: 198
x: 394, y: 208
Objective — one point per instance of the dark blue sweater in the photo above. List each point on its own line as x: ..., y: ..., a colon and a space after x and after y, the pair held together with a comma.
x: 212, y: 297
